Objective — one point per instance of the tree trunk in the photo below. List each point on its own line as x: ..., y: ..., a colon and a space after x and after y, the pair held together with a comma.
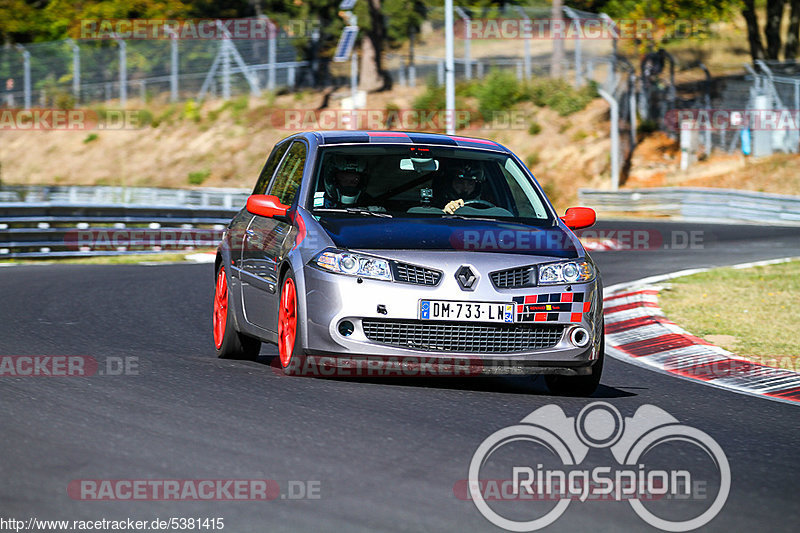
x: 556, y: 16
x: 373, y: 77
x: 772, y: 30
x: 368, y: 77
x: 753, y: 32
x: 793, y: 35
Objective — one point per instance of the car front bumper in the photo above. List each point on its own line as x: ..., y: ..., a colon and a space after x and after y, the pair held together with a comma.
x: 334, y: 298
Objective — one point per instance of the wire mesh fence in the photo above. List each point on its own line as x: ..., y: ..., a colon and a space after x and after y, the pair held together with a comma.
x: 71, y: 73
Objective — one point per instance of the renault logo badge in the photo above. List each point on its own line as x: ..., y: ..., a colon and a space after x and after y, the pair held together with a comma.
x: 466, y: 278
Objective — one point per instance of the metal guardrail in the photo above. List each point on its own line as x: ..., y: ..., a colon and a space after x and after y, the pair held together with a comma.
x: 695, y: 202
x: 227, y: 198
x: 58, y: 229
x: 37, y: 230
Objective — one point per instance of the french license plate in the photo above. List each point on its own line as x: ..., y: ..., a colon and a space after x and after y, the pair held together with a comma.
x: 466, y: 311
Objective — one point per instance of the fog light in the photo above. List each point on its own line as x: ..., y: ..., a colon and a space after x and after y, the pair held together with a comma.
x: 346, y: 328
x: 579, y: 337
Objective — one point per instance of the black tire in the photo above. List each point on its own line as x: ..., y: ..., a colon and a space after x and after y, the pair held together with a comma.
x: 235, y: 345
x: 578, y: 385
x: 297, y: 347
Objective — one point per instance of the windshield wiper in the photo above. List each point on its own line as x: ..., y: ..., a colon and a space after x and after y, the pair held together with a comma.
x: 467, y: 217
x: 358, y: 210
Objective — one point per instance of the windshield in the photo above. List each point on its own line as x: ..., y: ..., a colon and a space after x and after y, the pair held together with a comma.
x: 413, y: 181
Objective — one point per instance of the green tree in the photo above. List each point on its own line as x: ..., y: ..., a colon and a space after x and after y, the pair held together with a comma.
x: 20, y: 21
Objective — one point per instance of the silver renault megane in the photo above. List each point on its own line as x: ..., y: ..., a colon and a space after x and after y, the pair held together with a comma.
x: 392, y: 244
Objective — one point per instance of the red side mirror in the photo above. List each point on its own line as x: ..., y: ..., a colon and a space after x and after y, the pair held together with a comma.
x: 266, y: 206
x: 579, y: 217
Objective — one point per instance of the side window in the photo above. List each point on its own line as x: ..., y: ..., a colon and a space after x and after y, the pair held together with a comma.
x: 269, y: 168
x: 290, y: 173
x: 527, y: 202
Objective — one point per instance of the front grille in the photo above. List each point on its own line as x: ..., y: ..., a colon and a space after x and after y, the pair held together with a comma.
x: 461, y: 337
x: 416, y: 274
x: 514, y: 278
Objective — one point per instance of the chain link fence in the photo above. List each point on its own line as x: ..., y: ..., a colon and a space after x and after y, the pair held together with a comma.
x: 506, y: 38
x: 73, y: 72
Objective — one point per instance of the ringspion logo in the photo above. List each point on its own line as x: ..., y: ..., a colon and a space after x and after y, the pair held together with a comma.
x: 659, y: 467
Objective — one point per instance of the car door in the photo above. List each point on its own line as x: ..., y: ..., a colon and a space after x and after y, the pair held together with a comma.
x: 263, y: 243
x: 243, y: 218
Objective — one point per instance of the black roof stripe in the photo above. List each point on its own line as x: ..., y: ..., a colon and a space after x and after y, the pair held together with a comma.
x: 427, y: 138
x: 348, y: 137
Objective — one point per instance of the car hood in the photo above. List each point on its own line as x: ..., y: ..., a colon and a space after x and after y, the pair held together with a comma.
x: 360, y: 232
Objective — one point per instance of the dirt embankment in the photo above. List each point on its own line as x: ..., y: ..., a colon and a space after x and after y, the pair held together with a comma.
x: 224, y: 145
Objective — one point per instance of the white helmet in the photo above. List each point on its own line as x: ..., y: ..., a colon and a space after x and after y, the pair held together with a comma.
x: 345, y: 195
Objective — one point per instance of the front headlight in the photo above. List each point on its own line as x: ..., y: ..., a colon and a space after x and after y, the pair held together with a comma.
x: 354, y: 265
x: 566, y: 272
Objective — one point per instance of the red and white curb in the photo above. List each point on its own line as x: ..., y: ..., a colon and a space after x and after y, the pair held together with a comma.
x: 637, y: 332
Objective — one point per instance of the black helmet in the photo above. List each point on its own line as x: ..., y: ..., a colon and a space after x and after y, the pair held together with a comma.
x: 471, y: 172
x: 350, y: 164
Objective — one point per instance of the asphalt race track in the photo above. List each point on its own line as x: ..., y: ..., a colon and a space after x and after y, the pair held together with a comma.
x: 386, y: 453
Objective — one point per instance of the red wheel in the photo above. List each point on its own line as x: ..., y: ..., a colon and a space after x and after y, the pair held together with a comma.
x: 287, y: 321
x: 229, y: 342
x: 220, y: 308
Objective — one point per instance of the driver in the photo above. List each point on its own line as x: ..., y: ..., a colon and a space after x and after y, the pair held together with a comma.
x: 345, y: 182
x: 465, y: 185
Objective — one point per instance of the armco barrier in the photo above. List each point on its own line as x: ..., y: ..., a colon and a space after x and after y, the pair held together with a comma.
x: 86, y: 195
x: 50, y: 229
x: 698, y: 203
x: 705, y: 203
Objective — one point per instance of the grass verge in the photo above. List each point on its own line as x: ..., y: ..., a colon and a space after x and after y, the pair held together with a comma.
x: 751, y: 312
